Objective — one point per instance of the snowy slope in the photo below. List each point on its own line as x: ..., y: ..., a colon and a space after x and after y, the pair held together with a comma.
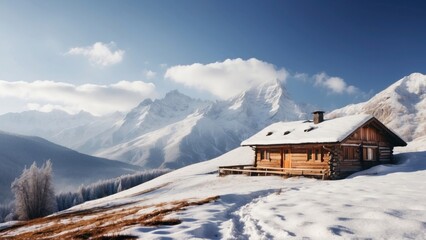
x: 401, y: 107
x: 178, y: 130
x: 385, y: 202
x: 70, y: 168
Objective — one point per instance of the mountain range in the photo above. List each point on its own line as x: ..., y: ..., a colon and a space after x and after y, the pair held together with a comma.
x: 171, y: 132
x: 178, y: 130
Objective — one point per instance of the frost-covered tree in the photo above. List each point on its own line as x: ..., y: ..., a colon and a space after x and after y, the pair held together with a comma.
x: 34, y: 192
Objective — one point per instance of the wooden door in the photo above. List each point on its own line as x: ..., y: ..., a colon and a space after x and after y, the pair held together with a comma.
x: 287, y: 159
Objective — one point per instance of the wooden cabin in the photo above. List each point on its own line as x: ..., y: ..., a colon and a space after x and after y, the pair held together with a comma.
x: 332, y: 148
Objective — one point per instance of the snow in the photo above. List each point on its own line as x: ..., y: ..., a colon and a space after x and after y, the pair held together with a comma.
x: 384, y: 202
x: 401, y: 107
x: 167, y: 138
x: 419, y: 144
x: 328, y: 131
x: 8, y: 224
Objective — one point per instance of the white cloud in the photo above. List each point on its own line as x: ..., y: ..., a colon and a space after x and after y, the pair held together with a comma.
x: 228, y: 78
x: 301, y: 76
x: 99, y: 53
x: 150, y: 74
x: 335, y: 84
x: 96, y: 99
x: 47, y: 107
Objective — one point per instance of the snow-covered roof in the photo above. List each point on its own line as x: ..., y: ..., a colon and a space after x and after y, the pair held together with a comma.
x: 297, y: 132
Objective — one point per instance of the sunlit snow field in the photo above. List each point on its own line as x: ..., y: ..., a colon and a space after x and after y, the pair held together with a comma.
x: 385, y: 202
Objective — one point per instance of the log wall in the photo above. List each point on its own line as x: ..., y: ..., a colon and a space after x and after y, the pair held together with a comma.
x: 269, y: 157
x: 311, y: 156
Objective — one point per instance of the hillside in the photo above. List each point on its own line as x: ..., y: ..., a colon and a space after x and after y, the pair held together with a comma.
x: 70, y: 168
x: 385, y: 202
x: 401, y: 107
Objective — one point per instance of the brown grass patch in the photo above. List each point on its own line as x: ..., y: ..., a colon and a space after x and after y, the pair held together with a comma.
x: 102, y: 221
x: 159, y: 220
x: 117, y: 237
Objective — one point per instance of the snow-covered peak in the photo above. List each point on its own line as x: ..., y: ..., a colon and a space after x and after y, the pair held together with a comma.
x: 267, y: 93
x: 145, y: 102
x: 176, y: 95
x: 401, y: 107
x: 152, y: 115
x: 269, y: 99
x: 414, y: 83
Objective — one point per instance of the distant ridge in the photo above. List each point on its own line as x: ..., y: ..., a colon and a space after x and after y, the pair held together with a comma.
x: 70, y: 168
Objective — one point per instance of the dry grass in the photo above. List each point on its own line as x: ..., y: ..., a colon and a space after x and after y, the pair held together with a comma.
x: 100, y: 222
x: 118, y: 237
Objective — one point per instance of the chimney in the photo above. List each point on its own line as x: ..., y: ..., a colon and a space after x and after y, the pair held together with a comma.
x: 318, y: 116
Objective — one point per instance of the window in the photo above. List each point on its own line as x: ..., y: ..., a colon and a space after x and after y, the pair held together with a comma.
x: 349, y: 153
x: 309, y: 154
x: 317, y: 155
x: 314, y: 154
x: 369, y: 154
x: 309, y: 129
x: 264, y: 154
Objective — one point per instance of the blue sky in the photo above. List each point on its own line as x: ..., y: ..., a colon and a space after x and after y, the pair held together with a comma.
x: 332, y: 52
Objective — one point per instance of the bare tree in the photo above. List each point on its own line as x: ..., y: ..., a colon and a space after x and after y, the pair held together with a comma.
x: 34, y: 193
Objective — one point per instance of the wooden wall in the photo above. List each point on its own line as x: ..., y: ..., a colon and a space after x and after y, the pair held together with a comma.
x: 350, y: 159
x: 292, y: 157
x: 268, y: 157
x: 307, y: 157
x: 368, y: 135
